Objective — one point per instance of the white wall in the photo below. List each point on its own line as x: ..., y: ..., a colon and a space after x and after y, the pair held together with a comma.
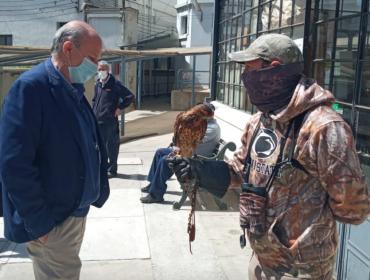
x: 232, y: 123
x: 114, y: 28
x: 32, y: 27
x: 199, y: 33
x: 154, y: 17
x: 164, y: 8
x: 109, y: 27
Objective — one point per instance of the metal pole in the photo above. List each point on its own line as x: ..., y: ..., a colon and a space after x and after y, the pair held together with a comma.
x: 151, y: 14
x: 168, y: 72
x: 155, y: 76
x: 139, y: 84
x: 181, y: 81
x: 123, y: 81
x: 193, y: 82
x: 306, y: 37
x: 150, y: 76
x: 1, y: 89
x: 114, y: 69
x: 216, y: 24
x: 177, y: 79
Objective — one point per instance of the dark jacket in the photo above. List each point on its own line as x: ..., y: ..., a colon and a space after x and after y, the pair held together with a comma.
x: 107, y: 99
x: 41, y: 157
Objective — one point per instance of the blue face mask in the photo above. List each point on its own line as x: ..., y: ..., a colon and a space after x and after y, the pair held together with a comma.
x: 82, y: 73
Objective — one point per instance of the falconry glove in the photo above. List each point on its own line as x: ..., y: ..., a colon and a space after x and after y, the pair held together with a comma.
x: 185, y: 168
x: 213, y: 176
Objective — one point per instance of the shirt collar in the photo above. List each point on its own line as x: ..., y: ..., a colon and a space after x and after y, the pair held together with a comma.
x: 102, y: 83
x: 76, y: 90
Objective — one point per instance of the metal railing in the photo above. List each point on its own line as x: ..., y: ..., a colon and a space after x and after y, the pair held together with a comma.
x: 157, y: 89
x: 180, y: 81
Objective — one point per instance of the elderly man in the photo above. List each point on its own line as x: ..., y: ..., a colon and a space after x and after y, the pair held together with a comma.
x: 160, y: 172
x: 298, y: 167
x: 110, y: 97
x: 53, y: 162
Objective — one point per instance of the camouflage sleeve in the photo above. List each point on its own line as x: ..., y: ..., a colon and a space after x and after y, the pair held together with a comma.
x: 339, y: 170
x: 236, y: 164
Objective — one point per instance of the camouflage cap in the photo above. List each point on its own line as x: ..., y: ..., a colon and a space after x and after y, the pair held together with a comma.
x: 270, y: 47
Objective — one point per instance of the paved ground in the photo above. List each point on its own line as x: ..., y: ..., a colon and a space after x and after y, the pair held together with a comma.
x: 128, y: 240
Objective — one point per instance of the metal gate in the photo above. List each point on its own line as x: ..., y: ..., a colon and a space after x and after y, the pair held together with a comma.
x: 355, y: 261
x: 341, y: 62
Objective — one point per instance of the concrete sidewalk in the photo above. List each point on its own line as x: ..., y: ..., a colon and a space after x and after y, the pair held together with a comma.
x: 129, y: 240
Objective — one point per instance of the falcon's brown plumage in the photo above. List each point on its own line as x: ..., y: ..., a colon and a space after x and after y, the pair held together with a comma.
x: 190, y: 127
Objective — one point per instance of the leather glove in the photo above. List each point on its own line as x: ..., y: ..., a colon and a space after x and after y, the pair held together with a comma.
x: 185, y: 168
x: 213, y: 176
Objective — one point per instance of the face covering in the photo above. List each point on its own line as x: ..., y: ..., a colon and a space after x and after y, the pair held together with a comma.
x: 272, y: 88
x: 82, y: 73
x: 102, y: 75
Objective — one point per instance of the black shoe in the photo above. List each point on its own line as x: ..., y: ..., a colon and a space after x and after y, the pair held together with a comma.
x: 151, y: 198
x: 111, y: 175
x: 146, y: 189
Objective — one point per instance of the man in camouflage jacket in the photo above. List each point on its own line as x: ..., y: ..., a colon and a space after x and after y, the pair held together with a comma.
x: 292, y: 228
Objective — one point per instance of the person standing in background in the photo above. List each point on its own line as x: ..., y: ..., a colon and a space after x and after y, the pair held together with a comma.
x: 110, y: 97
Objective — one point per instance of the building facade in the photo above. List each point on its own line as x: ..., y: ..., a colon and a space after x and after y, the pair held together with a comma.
x: 334, y: 37
x: 156, y: 18
x: 35, y: 24
x: 194, y: 25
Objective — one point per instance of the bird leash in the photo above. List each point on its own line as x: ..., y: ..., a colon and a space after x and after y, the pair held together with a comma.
x: 191, y: 219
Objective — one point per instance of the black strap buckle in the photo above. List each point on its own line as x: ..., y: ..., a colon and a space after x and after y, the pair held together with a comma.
x: 243, y: 240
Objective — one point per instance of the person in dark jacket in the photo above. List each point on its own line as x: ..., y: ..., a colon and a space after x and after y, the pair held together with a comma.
x: 110, y: 97
x: 52, y: 163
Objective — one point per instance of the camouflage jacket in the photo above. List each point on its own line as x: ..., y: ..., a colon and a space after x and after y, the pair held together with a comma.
x: 301, y: 209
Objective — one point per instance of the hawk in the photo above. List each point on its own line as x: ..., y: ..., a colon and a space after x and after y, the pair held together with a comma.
x: 190, y: 127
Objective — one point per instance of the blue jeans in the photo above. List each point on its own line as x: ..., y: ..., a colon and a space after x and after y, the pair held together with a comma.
x: 110, y: 132
x: 159, y: 172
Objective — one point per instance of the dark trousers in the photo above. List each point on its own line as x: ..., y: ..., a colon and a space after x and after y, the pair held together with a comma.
x: 110, y: 132
x: 159, y: 172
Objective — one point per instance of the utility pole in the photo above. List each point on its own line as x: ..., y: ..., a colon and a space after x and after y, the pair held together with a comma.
x: 123, y: 4
x: 151, y: 16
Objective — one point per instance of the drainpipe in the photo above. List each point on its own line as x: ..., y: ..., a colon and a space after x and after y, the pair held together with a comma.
x: 216, y: 19
x: 139, y: 84
x: 123, y: 81
x: 193, y: 82
x: 199, y: 9
x: 83, y: 9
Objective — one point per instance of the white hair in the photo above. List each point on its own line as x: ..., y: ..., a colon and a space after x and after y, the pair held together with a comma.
x: 103, y: 63
x: 67, y: 32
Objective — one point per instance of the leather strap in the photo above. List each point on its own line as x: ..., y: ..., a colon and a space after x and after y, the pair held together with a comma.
x: 298, y: 120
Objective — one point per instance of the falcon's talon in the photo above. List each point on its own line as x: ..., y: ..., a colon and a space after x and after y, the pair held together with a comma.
x: 176, y: 151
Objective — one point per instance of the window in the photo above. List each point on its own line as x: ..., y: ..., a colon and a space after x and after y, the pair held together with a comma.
x: 60, y: 24
x: 184, y: 25
x: 6, y: 40
x: 342, y: 69
x: 241, y: 22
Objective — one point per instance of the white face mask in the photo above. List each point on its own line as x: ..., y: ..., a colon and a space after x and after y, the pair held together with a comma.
x: 102, y: 74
